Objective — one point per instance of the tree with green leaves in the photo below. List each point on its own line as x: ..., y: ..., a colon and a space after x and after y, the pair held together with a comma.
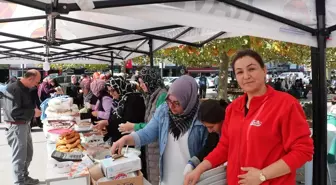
x: 92, y: 67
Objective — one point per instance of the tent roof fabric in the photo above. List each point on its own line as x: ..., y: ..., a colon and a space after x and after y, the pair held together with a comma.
x: 95, y: 31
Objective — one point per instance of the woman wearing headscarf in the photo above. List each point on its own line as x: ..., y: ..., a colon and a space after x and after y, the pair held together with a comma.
x: 95, y: 76
x: 86, y: 100
x: 130, y: 107
x: 73, y: 90
x: 45, y: 89
x: 102, y: 109
x: 87, y: 93
x: 176, y: 127
x: 155, y: 94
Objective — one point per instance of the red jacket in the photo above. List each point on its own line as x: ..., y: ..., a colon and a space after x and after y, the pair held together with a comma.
x: 274, y: 128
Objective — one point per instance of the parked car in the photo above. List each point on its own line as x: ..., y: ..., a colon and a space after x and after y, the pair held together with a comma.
x: 169, y: 80
x: 2, y: 87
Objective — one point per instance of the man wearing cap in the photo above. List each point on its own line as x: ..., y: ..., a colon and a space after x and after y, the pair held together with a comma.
x: 18, y: 112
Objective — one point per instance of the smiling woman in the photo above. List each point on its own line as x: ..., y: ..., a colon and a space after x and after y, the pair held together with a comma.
x: 265, y: 136
x: 250, y: 73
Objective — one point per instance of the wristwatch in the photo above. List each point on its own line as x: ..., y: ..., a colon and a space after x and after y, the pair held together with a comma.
x: 262, y: 177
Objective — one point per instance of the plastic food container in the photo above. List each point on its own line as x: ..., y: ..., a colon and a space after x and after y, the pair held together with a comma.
x: 54, y: 134
x: 63, y: 167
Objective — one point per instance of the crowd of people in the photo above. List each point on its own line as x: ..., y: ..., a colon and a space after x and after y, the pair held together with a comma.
x: 293, y: 86
x: 262, y: 136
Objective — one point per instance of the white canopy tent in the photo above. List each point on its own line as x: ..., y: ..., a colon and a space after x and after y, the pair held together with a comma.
x: 70, y: 33
x: 308, y: 22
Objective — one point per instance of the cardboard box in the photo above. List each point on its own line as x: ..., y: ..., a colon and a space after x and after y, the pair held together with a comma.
x: 138, y: 180
x: 96, y: 172
x: 112, y: 167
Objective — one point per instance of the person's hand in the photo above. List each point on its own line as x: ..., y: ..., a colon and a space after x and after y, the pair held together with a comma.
x: 118, y: 145
x: 37, y: 113
x: 251, y: 177
x: 101, y: 125
x: 192, y: 178
x: 126, y: 127
x: 187, y: 169
x: 87, y: 105
x: 94, y: 113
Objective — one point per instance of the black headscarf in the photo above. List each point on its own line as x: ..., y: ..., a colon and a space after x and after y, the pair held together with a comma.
x: 151, y: 78
x: 123, y: 88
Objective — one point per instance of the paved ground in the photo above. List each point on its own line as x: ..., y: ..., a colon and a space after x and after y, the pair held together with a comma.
x: 40, y: 155
x: 39, y: 162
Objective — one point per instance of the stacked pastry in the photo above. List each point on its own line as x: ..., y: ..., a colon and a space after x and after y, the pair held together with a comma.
x: 69, y: 142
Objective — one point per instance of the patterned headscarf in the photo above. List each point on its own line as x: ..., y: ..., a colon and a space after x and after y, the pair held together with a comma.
x: 121, y: 85
x: 97, y: 86
x: 123, y: 88
x: 151, y: 78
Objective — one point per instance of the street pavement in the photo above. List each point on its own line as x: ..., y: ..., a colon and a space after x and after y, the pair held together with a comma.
x: 39, y: 163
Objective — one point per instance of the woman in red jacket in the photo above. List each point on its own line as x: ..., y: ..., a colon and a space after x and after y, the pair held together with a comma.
x: 265, y: 136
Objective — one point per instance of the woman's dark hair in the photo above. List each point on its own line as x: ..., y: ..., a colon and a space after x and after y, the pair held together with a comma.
x: 212, y: 111
x: 55, y: 82
x: 249, y: 53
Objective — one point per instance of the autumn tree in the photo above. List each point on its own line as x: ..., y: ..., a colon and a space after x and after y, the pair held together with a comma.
x: 219, y: 52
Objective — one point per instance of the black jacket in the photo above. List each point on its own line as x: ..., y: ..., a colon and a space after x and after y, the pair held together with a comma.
x: 211, y: 143
x: 18, y: 103
x: 35, y: 98
x: 134, y: 112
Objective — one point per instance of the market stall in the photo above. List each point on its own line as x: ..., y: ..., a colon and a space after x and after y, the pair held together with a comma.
x: 77, y: 154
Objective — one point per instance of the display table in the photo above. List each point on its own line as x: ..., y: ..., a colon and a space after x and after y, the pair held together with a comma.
x: 54, y: 178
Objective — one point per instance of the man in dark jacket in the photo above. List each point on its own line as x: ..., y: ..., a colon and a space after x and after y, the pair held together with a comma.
x: 18, y: 111
x: 36, y: 121
x: 202, y: 86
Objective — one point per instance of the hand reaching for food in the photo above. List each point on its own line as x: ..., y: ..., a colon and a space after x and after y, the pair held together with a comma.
x: 126, y: 127
x: 101, y: 125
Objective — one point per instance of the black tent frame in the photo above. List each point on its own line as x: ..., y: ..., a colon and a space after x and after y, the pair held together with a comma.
x: 318, y: 54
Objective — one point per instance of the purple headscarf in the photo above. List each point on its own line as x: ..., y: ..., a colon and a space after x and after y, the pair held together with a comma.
x: 185, y: 89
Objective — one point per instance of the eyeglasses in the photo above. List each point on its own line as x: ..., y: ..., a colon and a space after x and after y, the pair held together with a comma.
x: 173, y: 103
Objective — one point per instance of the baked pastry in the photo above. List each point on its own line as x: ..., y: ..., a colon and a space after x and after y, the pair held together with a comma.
x: 69, y: 142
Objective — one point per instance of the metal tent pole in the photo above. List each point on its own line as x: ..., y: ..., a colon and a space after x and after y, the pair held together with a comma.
x: 112, y: 63
x: 320, y: 98
x: 151, y: 57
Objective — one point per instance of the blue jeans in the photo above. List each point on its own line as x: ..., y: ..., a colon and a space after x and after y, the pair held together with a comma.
x: 20, y: 140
